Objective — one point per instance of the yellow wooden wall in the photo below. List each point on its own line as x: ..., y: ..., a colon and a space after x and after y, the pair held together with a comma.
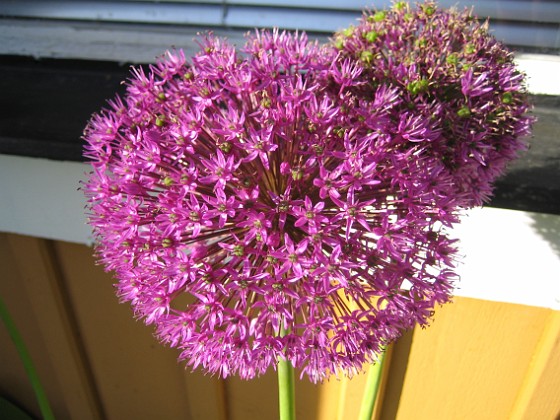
x: 479, y: 360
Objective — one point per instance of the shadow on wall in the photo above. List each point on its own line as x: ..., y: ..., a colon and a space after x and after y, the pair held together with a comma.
x: 548, y: 227
x: 396, y: 378
x: 531, y: 182
x: 532, y: 189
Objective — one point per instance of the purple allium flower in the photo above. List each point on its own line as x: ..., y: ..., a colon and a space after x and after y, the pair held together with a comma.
x: 251, y: 212
x: 461, y: 105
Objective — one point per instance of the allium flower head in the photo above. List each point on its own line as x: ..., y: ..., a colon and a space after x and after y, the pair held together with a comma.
x: 462, y: 105
x: 273, y: 204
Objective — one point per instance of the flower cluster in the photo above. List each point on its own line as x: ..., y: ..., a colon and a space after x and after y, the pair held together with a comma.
x: 290, y: 201
x: 463, y: 103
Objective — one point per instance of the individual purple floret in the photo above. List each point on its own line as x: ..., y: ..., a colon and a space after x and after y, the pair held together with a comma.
x: 462, y: 102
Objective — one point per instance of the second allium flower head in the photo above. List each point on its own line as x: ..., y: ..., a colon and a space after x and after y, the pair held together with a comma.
x: 288, y: 202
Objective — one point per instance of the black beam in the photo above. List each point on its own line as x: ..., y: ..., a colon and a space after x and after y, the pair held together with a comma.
x: 45, y: 105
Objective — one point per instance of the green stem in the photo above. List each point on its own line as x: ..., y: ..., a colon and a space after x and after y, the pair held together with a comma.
x: 372, y: 389
x: 286, y: 388
x: 286, y: 392
x: 44, y: 406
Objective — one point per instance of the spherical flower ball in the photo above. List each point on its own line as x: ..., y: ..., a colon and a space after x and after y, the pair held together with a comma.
x: 463, y: 107
x: 247, y: 218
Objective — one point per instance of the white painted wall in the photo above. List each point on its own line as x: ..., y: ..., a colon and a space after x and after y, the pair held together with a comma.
x: 542, y: 72
x: 40, y: 197
x: 509, y: 256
